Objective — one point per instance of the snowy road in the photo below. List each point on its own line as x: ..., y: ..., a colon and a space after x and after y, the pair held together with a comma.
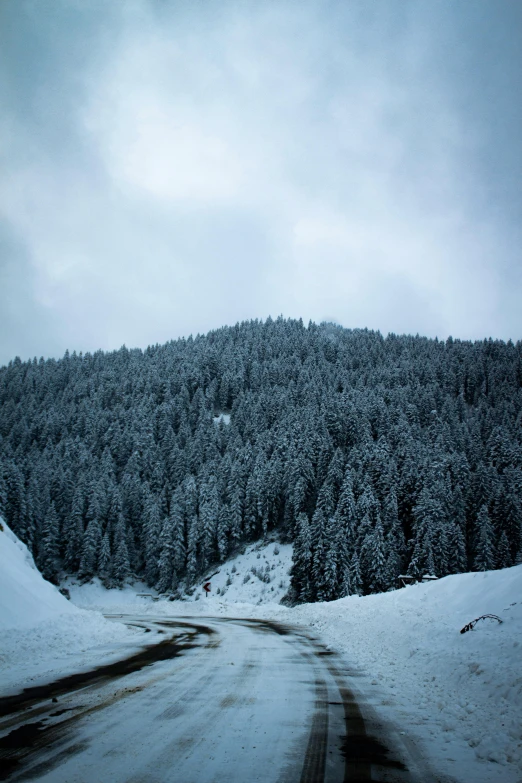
x: 216, y: 700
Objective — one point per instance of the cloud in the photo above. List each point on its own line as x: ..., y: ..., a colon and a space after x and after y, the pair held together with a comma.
x: 247, y: 160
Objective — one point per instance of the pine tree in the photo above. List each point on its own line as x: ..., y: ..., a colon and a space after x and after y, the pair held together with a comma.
x: 503, y: 558
x: 208, y: 518
x: 192, y: 548
x: 373, y: 560
x: 121, y: 564
x: 300, y: 580
x: 458, y: 561
x: 151, y: 539
x: 166, y: 558
x: 319, y: 589
x: 48, y: 559
x: 105, y: 559
x: 90, y: 549
x: 73, y: 531
x: 330, y: 587
x: 355, y: 576
x: 484, y: 548
x: 178, y: 539
x: 422, y: 561
x: 223, y: 532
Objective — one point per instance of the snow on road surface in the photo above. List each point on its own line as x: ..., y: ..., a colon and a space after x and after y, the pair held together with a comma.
x: 240, y: 700
x: 459, y: 695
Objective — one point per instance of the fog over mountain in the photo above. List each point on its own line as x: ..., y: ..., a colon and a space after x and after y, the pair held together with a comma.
x: 168, y: 168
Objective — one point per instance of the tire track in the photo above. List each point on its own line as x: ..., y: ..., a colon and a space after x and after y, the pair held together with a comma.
x: 315, y: 758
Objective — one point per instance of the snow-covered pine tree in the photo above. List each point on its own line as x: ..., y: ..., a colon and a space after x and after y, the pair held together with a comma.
x: 166, y: 557
x: 105, y: 559
x: 90, y: 550
x: 301, y: 576
x: 48, y: 554
x: 503, y: 555
x: 484, y: 546
x: 458, y: 560
x: 121, y: 563
x: 73, y: 530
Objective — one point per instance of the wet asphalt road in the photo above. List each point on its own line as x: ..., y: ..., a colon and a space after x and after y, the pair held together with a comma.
x: 216, y: 700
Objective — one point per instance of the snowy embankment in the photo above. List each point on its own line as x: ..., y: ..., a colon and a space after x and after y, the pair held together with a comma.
x: 459, y: 695
x: 42, y: 634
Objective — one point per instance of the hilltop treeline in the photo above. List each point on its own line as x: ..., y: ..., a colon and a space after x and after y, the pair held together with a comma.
x: 375, y: 456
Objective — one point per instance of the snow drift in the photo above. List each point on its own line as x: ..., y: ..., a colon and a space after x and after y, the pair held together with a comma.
x: 25, y: 597
x: 42, y: 634
x: 460, y: 694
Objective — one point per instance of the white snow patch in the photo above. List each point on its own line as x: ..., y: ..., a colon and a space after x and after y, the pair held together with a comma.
x: 25, y: 597
x: 93, y: 595
x: 257, y: 575
x: 224, y: 417
x: 43, y: 635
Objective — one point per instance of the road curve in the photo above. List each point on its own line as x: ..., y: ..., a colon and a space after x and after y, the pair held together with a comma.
x: 217, y: 700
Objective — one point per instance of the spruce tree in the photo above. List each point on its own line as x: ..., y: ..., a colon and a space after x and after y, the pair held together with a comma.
x: 300, y: 579
x: 90, y: 550
x: 166, y: 558
x: 48, y: 558
x: 458, y: 561
x: 503, y: 555
x: 484, y: 547
x: 121, y: 569
x: 105, y: 559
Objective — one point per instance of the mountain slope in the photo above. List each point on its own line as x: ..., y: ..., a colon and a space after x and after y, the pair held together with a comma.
x: 375, y: 456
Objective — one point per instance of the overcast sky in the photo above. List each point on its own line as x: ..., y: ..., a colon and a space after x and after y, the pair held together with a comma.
x: 171, y: 167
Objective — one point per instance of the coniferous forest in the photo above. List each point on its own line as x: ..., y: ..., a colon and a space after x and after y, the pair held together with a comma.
x: 374, y: 456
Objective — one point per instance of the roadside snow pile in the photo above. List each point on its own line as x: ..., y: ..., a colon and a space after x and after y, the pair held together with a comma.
x: 135, y: 598
x: 25, y: 597
x: 41, y: 633
x: 460, y: 694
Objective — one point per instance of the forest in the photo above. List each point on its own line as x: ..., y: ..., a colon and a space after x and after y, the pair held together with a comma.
x: 376, y: 456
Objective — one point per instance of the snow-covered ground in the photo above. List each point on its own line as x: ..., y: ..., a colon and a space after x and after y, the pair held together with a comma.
x: 459, y: 694
x: 258, y: 575
x: 457, y: 697
x: 42, y: 634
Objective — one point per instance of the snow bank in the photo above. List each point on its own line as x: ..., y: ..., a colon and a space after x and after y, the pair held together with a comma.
x: 257, y: 576
x: 459, y: 694
x: 42, y: 634
x: 25, y: 597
